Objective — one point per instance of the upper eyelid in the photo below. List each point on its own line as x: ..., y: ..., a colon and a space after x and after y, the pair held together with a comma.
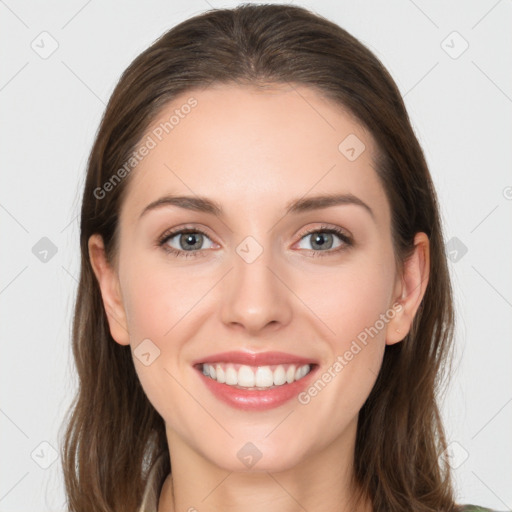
x: 325, y: 227
x: 171, y: 233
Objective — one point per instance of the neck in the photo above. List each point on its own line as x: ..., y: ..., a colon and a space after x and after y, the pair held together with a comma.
x: 320, y: 482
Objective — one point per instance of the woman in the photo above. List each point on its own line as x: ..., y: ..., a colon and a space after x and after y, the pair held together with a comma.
x: 264, y: 304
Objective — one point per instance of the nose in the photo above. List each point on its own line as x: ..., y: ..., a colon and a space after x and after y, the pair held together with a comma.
x: 256, y: 297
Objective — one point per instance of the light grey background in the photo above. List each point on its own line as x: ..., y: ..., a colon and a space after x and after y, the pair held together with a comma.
x: 460, y: 105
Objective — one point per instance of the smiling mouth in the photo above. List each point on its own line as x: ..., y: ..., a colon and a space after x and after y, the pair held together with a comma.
x: 258, y: 378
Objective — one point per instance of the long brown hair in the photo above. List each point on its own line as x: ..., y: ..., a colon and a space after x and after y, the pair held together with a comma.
x: 113, y: 434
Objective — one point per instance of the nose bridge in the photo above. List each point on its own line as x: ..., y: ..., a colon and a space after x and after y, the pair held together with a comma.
x: 254, y: 296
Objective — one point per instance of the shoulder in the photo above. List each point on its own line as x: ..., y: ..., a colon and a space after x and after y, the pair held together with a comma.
x: 477, y: 508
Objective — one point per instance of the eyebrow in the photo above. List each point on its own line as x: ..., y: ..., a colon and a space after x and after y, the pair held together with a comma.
x: 205, y: 205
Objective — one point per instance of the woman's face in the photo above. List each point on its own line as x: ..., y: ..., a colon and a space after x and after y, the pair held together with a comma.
x: 250, y: 279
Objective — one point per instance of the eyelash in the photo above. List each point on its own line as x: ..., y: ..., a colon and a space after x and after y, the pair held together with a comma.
x: 347, y: 241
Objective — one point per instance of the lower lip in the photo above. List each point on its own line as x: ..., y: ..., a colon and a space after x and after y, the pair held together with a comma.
x: 253, y: 399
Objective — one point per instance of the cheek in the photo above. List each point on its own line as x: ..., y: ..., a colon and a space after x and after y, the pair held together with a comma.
x: 160, y: 306
x: 353, y: 306
x: 351, y: 300
x: 158, y: 299
x: 158, y: 303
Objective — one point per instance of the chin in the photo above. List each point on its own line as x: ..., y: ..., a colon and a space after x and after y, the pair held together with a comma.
x: 256, y: 456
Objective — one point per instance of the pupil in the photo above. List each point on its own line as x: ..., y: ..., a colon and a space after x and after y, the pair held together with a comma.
x: 320, y: 240
x: 190, y: 239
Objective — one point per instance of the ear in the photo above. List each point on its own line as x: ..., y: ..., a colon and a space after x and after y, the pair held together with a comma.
x: 110, y: 290
x: 410, y: 289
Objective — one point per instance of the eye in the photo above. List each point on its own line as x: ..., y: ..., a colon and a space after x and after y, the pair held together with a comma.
x: 188, y: 242
x: 323, y: 238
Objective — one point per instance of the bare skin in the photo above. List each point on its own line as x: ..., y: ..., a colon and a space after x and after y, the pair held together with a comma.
x: 254, y: 152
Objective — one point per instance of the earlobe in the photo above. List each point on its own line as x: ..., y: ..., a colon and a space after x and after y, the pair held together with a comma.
x: 110, y: 290
x: 410, y: 290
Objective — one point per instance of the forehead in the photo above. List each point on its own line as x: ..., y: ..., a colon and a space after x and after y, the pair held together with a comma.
x: 256, y: 147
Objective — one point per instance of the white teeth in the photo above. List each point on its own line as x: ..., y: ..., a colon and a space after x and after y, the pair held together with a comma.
x: 264, y: 377
x: 221, y: 376
x: 279, y: 376
x: 301, y: 372
x: 245, y: 377
x: 261, y: 377
x: 231, y: 376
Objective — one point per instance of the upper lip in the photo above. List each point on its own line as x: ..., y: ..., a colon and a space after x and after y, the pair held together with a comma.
x: 255, y: 358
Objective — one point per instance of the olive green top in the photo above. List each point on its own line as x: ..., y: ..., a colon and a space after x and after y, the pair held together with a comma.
x: 157, y: 476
